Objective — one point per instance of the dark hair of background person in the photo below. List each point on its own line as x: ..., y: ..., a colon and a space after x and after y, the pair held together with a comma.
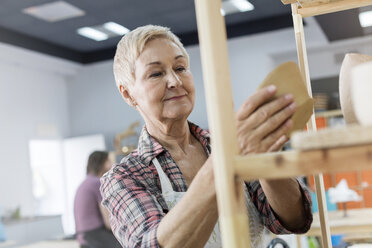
x: 96, y: 161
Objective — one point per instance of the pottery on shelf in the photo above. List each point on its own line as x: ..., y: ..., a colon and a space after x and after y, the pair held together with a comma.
x: 361, y: 91
x: 288, y: 80
x: 350, y: 61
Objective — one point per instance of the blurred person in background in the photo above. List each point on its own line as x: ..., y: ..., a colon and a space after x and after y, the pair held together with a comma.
x: 91, y: 219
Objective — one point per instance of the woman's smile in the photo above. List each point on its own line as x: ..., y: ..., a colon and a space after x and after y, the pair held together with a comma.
x: 175, y: 98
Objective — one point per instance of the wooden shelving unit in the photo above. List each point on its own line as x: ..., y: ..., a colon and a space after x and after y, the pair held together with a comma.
x: 329, y: 113
x: 360, y: 180
x: 230, y: 168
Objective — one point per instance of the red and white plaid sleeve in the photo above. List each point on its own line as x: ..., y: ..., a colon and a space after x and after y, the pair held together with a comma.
x: 135, y: 212
x: 269, y: 217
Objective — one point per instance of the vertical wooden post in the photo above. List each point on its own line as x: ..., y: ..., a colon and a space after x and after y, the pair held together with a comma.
x: 233, y: 217
x: 298, y: 241
x: 311, y: 125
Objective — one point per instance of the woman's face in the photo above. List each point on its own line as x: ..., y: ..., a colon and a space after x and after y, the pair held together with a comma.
x: 164, y: 88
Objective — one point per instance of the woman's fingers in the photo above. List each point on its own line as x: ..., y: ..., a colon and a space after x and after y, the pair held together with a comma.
x: 278, y: 144
x: 273, y: 139
x: 261, y: 116
x: 261, y: 121
x: 268, y: 110
x: 272, y: 142
x: 256, y: 100
x: 275, y: 121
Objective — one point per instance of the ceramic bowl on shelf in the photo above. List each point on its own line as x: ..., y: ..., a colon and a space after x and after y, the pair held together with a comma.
x: 362, y: 92
x: 350, y: 61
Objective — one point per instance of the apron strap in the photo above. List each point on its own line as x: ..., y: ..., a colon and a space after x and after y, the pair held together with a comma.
x: 165, y: 183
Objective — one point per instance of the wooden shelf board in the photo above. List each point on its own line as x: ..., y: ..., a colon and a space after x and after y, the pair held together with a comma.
x: 330, y: 7
x: 319, y: 7
x: 329, y: 113
x: 332, y: 137
x: 299, y: 163
x: 288, y: 1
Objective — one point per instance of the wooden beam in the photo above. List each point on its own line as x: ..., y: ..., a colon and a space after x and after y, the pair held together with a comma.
x: 323, y: 212
x: 306, y: 3
x: 297, y: 163
x: 288, y: 1
x: 332, y: 137
x: 233, y: 217
x: 332, y: 7
x: 311, y: 125
x: 329, y: 113
x: 342, y: 230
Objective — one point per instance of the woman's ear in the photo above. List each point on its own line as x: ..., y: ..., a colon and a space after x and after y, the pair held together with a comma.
x: 127, y: 97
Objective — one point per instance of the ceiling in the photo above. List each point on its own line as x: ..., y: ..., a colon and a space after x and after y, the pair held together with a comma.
x: 61, y: 39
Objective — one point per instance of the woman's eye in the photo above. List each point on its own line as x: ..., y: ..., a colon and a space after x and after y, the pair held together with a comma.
x: 155, y: 74
x: 181, y: 68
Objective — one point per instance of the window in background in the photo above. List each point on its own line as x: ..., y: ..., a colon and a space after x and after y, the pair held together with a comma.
x: 58, y: 167
x: 48, y: 177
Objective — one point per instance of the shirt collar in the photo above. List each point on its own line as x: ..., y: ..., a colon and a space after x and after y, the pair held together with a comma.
x: 149, y: 147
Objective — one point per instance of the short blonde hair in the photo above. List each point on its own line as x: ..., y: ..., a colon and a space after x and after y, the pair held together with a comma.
x: 131, y: 46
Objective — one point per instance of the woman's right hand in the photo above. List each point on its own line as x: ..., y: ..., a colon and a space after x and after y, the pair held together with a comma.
x: 263, y: 121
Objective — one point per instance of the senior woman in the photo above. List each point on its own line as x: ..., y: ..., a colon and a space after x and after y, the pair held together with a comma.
x: 163, y: 194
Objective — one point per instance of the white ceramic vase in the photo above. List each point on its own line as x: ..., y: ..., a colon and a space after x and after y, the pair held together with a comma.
x: 361, y: 91
x: 351, y: 60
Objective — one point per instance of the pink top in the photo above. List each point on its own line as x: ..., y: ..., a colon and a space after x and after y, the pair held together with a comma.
x: 86, y: 209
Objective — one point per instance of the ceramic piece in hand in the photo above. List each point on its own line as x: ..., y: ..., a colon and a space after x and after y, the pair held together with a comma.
x: 362, y: 92
x: 288, y: 80
x: 351, y: 60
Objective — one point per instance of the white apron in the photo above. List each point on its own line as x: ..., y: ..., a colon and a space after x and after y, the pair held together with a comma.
x: 172, y: 197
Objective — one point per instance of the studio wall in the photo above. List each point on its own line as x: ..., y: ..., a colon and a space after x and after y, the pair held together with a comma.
x: 33, y: 105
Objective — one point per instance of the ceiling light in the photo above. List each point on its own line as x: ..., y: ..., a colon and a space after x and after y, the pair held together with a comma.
x: 365, y: 18
x: 55, y: 11
x: 116, y: 28
x: 242, y: 5
x: 235, y: 6
x: 92, y: 33
x: 103, y: 31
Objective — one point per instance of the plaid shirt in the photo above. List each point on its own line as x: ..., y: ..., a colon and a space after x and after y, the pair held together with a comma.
x: 132, y: 193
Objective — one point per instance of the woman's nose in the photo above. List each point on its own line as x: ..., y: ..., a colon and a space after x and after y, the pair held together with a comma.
x: 173, y: 80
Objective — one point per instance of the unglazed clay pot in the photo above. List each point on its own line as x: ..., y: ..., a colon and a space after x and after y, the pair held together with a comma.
x: 347, y: 104
x: 288, y: 79
x: 361, y: 89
